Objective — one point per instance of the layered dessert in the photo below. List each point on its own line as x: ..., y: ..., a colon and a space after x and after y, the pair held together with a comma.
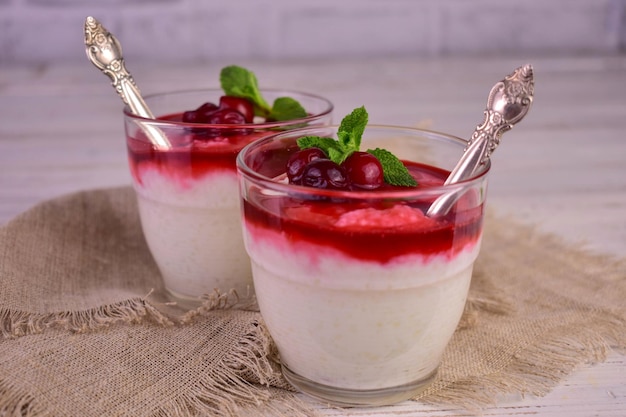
x: 188, y: 193
x: 189, y: 211
x: 360, y: 290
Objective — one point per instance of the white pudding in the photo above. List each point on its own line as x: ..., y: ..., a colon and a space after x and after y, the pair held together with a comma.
x: 193, y: 230
x: 352, y: 324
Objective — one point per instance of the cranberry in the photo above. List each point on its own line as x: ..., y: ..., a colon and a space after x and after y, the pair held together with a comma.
x: 206, y: 109
x: 200, y: 114
x: 226, y: 117
x: 222, y: 114
x: 209, y: 113
x: 298, y: 161
x: 190, y: 116
x: 324, y: 173
x: 217, y: 117
x: 242, y: 105
x: 364, y: 170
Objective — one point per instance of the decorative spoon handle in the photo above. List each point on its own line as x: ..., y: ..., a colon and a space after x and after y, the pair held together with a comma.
x: 105, y: 52
x: 508, y: 102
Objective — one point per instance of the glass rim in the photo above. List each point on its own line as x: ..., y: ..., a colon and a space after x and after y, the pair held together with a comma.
x: 293, y: 189
x: 265, y: 125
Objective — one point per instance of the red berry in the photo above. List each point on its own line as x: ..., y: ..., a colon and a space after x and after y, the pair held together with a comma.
x: 242, y: 105
x: 226, y: 117
x: 324, y: 173
x: 206, y: 109
x: 190, y: 116
x: 200, y: 114
x: 364, y: 170
x: 298, y: 161
x: 216, y: 117
x: 209, y: 113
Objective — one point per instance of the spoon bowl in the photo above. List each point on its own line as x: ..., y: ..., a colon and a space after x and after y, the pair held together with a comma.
x: 105, y: 52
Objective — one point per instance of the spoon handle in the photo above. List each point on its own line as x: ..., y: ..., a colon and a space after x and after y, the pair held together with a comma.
x: 471, y: 159
x: 508, y: 102
x: 473, y: 156
x: 129, y: 92
x: 105, y: 52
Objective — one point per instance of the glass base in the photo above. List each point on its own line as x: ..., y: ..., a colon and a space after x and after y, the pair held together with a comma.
x: 231, y: 299
x: 344, y: 397
x: 183, y: 302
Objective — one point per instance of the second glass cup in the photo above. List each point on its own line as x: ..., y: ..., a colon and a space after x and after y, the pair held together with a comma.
x: 187, y: 194
x: 360, y: 290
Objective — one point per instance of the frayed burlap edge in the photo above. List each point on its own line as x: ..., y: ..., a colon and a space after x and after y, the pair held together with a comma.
x: 225, y: 391
x: 136, y: 310
x: 14, y: 323
x: 15, y: 402
x: 228, y: 391
x: 217, y: 300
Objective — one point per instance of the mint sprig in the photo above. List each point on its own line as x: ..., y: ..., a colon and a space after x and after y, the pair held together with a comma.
x: 286, y: 108
x: 350, y: 132
x: 348, y: 141
x: 237, y: 81
x: 394, y: 171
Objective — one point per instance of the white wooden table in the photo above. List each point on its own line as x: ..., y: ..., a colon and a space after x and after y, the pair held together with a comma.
x: 562, y: 168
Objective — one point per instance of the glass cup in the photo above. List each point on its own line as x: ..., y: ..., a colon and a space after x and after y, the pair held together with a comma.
x: 361, y: 291
x: 188, y: 194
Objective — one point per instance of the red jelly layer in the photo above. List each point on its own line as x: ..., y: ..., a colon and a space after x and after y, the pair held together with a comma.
x: 315, y: 221
x: 196, y: 151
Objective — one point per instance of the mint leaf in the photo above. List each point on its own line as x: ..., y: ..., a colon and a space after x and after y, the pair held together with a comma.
x: 286, y: 108
x: 394, y: 171
x: 329, y: 145
x: 349, y: 137
x: 351, y: 130
x: 323, y: 143
x: 240, y: 82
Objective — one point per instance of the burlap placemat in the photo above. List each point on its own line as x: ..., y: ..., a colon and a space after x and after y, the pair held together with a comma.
x: 84, y: 333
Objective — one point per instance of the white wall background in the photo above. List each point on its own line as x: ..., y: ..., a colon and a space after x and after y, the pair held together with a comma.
x: 41, y: 31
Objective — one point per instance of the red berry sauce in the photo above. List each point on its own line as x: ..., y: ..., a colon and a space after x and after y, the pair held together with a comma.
x: 196, y: 151
x: 380, y: 232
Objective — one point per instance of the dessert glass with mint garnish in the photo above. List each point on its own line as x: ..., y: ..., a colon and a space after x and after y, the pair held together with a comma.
x: 360, y: 290
x: 188, y: 195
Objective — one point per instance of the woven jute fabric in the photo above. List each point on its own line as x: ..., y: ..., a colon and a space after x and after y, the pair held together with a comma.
x: 84, y: 332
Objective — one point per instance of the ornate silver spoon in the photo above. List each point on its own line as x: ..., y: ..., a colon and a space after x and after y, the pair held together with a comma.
x: 508, y: 102
x: 105, y: 52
